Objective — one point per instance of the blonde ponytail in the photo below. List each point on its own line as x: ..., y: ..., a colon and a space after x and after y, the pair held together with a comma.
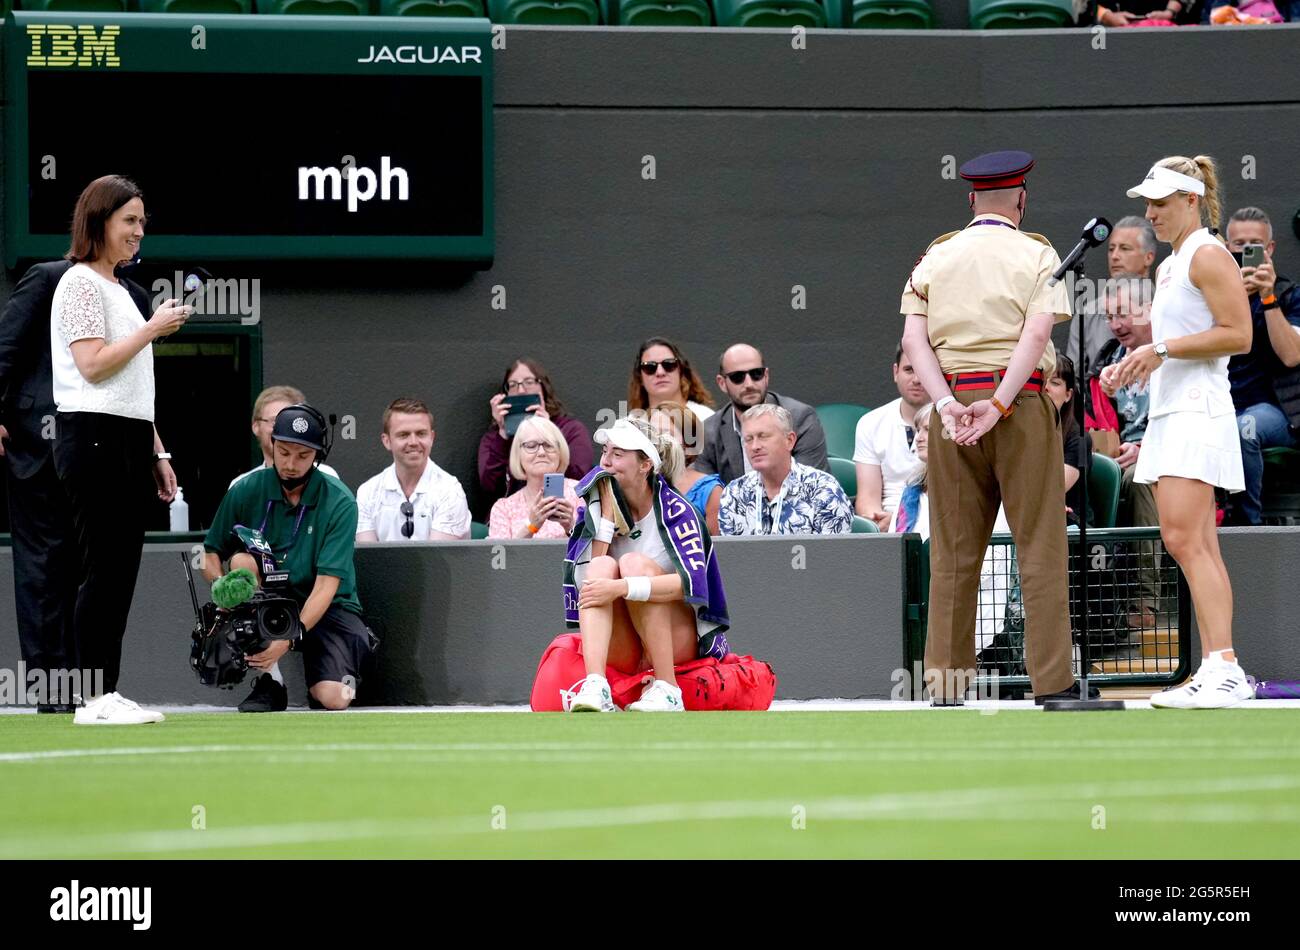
x: 671, y: 456
x: 1202, y: 169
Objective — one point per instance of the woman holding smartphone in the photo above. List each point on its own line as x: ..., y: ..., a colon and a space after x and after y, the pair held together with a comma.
x: 1199, y: 318
x: 538, y: 455
x: 107, y: 450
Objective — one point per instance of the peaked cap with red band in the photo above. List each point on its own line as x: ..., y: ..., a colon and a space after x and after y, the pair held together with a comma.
x: 998, y: 170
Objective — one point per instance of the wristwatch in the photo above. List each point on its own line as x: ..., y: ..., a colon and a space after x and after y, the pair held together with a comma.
x: 1269, y: 302
x: 1162, y: 351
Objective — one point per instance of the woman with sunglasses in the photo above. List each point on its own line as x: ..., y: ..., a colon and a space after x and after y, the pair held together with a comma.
x: 538, y: 450
x: 526, y: 376
x: 661, y: 374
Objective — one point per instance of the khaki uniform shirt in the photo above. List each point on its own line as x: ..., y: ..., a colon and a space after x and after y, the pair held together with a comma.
x: 975, y: 288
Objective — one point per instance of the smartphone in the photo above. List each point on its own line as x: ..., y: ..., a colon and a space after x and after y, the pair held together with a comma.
x: 1252, y: 255
x: 553, y: 485
x: 517, y: 410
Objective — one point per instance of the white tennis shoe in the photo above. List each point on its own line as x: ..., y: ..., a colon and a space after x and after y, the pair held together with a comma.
x: 660, y: 697
x: 114, y: 709
x: 1223, y: 686
x: 592, y: 695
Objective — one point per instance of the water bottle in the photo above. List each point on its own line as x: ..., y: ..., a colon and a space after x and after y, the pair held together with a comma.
x: 180, y: 512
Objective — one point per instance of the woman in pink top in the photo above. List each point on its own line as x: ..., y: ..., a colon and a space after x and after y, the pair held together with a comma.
x: 537, y: 450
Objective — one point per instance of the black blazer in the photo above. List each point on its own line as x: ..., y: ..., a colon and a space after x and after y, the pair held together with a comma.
x: 26, y: 376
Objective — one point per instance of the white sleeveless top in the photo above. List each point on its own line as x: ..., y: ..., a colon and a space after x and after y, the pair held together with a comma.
x: 87, y: 306
x: 1179, y: 309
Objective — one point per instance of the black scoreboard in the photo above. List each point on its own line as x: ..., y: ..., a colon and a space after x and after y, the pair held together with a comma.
x: 255, y: 137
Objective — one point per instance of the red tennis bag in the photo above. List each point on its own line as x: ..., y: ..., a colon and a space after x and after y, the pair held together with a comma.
x: 738, y: 682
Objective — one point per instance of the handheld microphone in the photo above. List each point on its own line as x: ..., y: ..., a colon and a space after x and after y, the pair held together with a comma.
x: 1095, y: 232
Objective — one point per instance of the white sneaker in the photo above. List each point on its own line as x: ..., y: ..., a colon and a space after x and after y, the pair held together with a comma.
x: 1182, y: 697
x: 1225, y: 685
x: 114, y: 709
x: 592, y: 695
x: 660, y: 697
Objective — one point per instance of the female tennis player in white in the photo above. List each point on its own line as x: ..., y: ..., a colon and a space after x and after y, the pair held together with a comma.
x: 1199, y: 317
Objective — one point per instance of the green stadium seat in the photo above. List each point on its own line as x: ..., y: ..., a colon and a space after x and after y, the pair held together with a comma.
x: 545, y: 12
x: 656, y: 12
x: 863, y: 525
x: 846, y: 473
x: 74, y: 6
x: 315, y: 7
x: 477, y: 531
x: 840, y: 422
x: 1103, y: 490
x: 1280, y: 494
x: 780, y: 14
x: 890, y: 14
x: 1020, y: 14
x: 460, y: 8
x: 196, y: 6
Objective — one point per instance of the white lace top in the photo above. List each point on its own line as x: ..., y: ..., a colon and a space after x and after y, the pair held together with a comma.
x: 86, y: 306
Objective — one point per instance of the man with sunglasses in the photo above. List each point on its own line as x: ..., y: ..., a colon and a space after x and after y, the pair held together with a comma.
x: 309, y: 520
x: 745, y: 378
x: 413, y: 499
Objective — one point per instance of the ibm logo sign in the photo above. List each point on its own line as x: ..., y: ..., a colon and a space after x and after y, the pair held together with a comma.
x: 55, y: 44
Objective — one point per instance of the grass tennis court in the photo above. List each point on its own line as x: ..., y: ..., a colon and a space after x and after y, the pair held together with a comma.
x: 917, y: 783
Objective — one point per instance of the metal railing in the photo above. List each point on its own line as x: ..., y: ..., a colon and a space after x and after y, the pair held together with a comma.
x: 1138, y: 601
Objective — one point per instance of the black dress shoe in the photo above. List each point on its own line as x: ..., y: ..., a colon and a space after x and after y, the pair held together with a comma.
x: 57, y: 708
x: 1071, y: 693
x: 267, y: 696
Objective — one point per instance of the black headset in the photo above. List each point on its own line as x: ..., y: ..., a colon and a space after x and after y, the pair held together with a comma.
x: 326, y: 427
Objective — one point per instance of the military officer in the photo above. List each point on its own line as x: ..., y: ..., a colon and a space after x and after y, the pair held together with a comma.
x: 979, y: 315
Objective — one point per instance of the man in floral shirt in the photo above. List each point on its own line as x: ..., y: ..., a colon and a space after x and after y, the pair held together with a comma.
x: 780, y: 495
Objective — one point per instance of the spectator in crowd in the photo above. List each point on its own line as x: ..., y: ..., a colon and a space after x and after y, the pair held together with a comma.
x: 308, y: 520
x: 1264, y: 418
x: 1130, y: 250
x: 883, y: 446
x: 413, y: 499
x: 107, y: 449
x: 662, y: 373
x: 641, y: 585
x: 1146, y: 13
x: 527, y: 376
x: 1126, y: 301
x: 537, y: 450
x: 745, y: 378
x: 267, y: 406
x: 704, y: 492
x: 1062, y: 388
x: 1226, y: 13
x: 781, y: 495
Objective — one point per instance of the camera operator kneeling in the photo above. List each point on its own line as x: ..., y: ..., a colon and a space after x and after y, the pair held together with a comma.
x: 309, y: 521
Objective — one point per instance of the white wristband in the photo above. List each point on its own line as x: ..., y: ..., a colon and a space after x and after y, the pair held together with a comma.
x: 638, y: 588
x: 605, y: 531
x: 938, y: 406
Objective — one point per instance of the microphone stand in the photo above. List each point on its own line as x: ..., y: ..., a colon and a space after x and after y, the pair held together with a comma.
x: 1083, y: 703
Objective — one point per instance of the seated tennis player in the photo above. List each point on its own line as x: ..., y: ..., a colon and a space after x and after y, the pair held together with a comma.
x: 641, y: 582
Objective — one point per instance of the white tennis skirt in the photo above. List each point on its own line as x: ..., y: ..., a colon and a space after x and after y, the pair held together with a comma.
x: 1192, y: 445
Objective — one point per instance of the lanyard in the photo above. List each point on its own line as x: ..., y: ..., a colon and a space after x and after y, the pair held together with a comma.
x: 1002, y: 224
x: 763, y: 506
x: 302, y: 510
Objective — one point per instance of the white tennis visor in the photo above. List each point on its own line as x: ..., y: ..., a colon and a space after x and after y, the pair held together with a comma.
x: 1162, y: 182
x: 622, y: 434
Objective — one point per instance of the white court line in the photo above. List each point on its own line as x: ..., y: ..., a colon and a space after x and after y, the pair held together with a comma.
x: 1015, y: 803
x: 780, y: 705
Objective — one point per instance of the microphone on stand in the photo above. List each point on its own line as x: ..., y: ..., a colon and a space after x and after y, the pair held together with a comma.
x: 1095, y: 232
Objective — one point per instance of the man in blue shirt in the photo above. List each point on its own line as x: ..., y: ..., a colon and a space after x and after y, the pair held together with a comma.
x: 1275, y: 348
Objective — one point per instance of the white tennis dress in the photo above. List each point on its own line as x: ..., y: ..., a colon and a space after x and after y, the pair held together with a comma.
x: 1192, y: 425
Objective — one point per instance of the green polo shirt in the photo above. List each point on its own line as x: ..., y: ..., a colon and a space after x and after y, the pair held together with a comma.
x: 317, y: 536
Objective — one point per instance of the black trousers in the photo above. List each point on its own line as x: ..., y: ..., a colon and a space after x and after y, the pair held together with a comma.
x: 105, y: 466
x: 46, y: 568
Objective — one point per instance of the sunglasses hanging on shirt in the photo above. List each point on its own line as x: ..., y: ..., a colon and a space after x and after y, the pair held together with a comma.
x: 408, y: 512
